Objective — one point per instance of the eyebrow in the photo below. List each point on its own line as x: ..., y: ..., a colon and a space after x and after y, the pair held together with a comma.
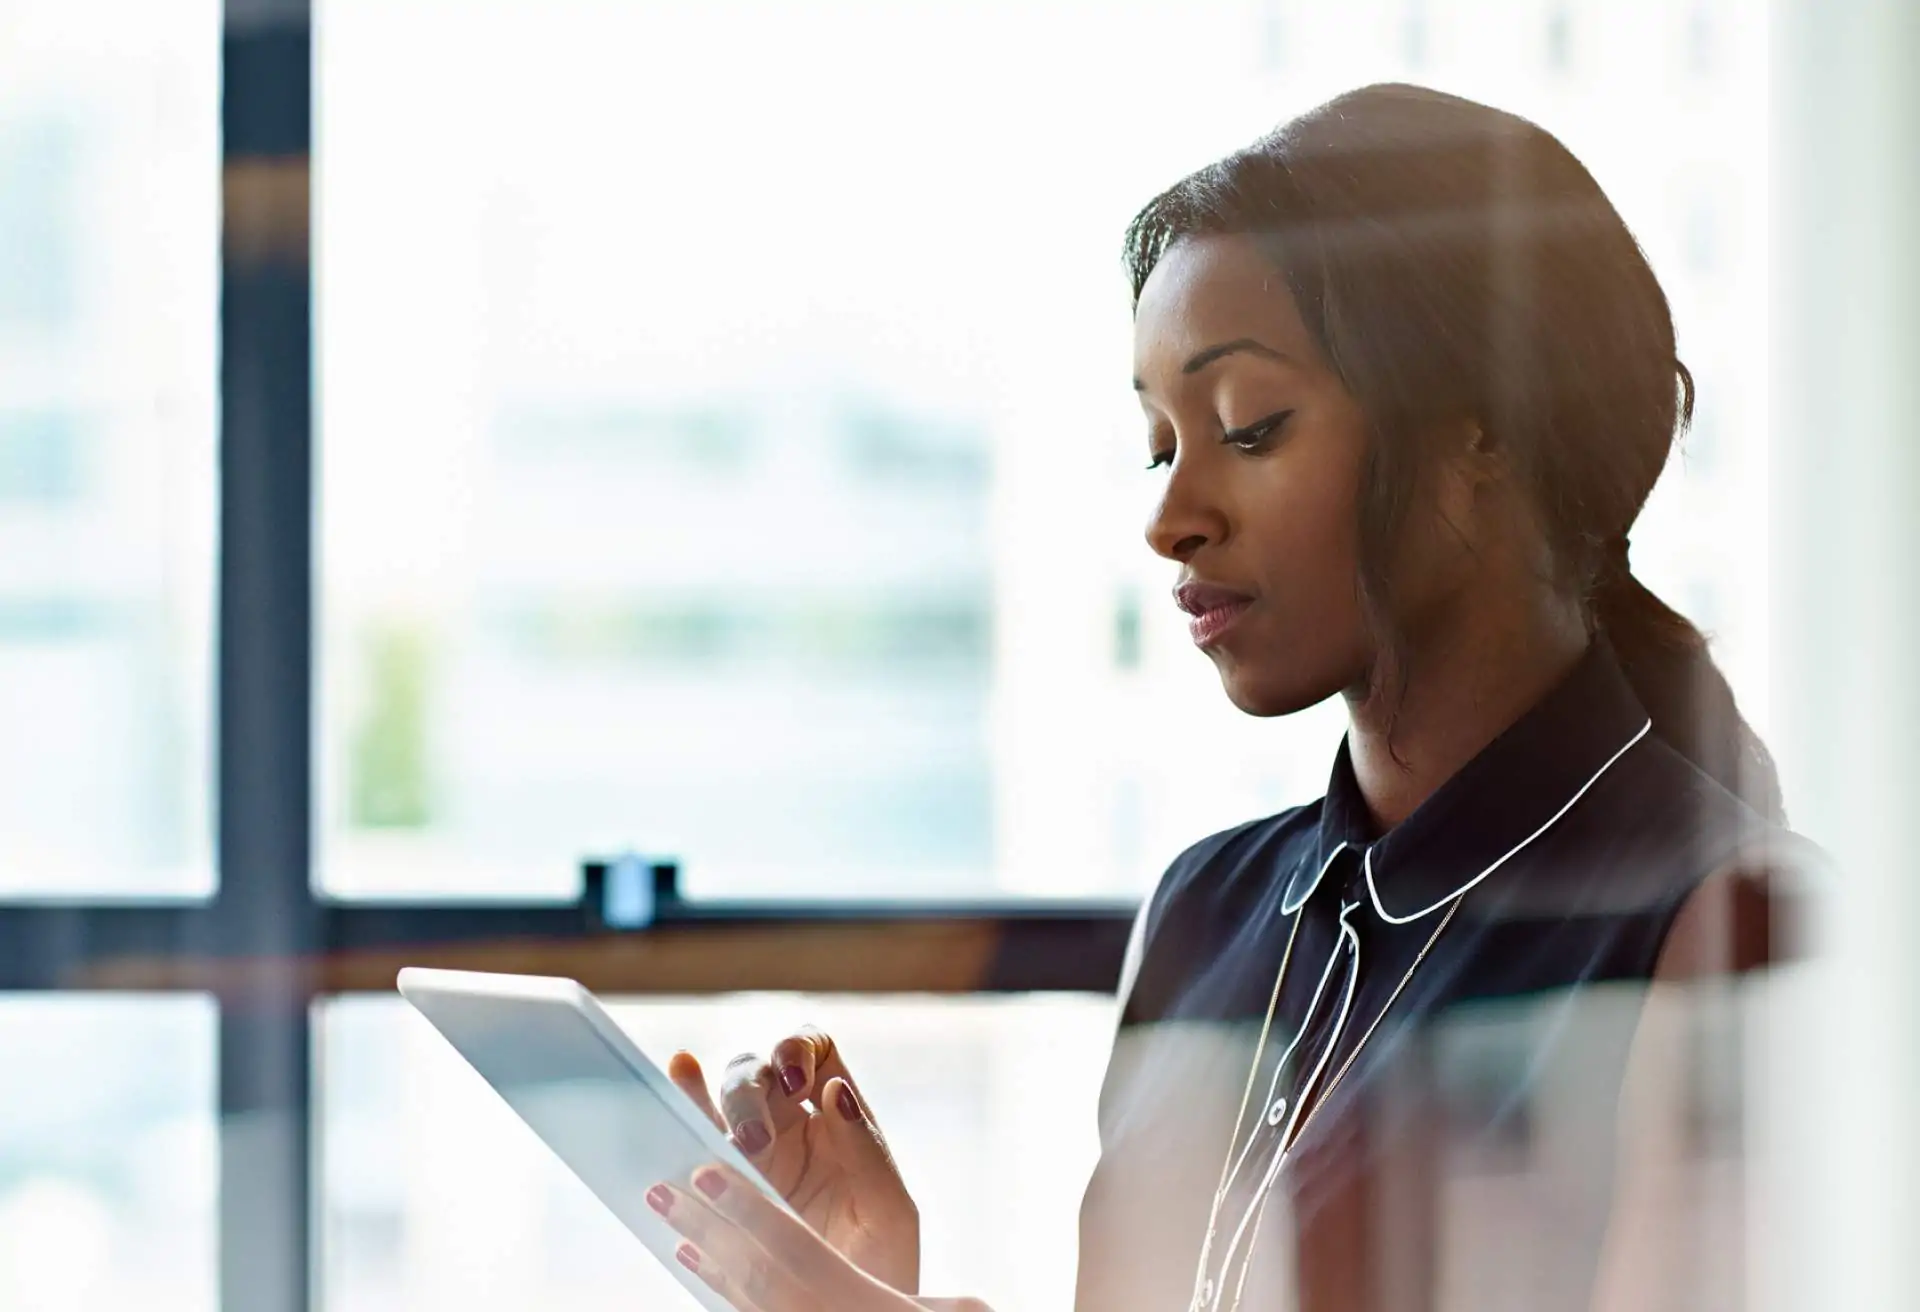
x: 1201, y: 359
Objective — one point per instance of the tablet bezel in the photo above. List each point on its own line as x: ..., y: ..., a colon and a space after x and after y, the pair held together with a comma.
x: 421, y: 986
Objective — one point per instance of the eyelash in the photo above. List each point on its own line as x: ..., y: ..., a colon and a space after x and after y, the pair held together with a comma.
x: 1251, y: 438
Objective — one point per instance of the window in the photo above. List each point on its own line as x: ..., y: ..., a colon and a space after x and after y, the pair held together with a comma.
x: 720, y: 449
x: 109, y: 142
x: 1559, y: 38
x: 107, y: 1153
x: 642, y: 498
x: 427, y: 1175
x: 647, y: 490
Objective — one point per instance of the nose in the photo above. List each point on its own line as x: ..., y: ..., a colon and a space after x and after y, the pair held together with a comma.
x: 1186, y: 519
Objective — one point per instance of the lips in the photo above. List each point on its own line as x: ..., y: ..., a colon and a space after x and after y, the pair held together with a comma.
x: 1214, y: 609
x: 1197, y: 598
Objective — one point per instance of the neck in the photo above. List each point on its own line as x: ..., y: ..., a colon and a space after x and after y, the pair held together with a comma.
x: 1461, y: 692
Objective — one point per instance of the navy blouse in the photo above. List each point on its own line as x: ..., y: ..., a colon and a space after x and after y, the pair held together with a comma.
x: 1431, y: 1119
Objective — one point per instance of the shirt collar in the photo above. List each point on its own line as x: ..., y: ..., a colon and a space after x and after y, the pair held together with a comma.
x: 1493, y: 808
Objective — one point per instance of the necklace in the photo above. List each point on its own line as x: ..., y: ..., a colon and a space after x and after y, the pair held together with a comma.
x: 1204, y: 1288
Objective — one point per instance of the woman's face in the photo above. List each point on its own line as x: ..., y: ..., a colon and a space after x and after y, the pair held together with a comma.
x: 1263, y: 450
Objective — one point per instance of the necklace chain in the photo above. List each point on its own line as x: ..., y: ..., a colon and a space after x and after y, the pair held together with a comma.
x: 1354, y: 1056
x: 1202, y: 1284
x: 1204, y: 1287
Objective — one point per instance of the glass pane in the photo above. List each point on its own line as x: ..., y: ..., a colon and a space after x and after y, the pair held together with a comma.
x: 109, y: 1158
x: 109, y: 222
x: 436, y: 1197
x: 734, y: 420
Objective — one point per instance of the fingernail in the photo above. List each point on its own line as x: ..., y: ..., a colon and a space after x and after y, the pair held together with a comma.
x: 848, y: 1107
x: 689, y: 1256
x: 710, y: 1183
x: 792, y: 1079
x: 752, y: 1137
x: 660, y: 1199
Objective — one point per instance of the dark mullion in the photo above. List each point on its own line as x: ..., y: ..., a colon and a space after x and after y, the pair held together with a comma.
x: 1006, y: 948
x: 77, y: 946
x: 264, y: 906
x: 791, y: 947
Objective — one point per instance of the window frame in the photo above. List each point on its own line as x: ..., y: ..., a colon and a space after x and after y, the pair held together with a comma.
x: 268, y: 947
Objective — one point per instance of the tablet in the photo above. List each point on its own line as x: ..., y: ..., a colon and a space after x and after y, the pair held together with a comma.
x: 568, y: 1070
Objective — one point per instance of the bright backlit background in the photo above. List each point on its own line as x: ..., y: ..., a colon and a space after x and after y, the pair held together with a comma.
x: 722, y: 410
x: 726, y: 405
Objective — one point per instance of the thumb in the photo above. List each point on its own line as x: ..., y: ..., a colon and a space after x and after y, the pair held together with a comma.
x: 856, y: 1139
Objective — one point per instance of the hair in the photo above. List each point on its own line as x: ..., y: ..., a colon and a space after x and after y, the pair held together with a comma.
x: 1456, y: 262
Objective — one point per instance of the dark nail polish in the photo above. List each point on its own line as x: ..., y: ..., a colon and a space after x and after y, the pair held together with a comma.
x: 689, y: 1256
x: 710, y: 1183
x: 660, y: 1199
x: 792, y: 1079
x: 848, y: 1107
x: 752, y: 1137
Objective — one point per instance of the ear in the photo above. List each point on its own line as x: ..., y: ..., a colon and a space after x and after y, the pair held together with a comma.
x: 1471, y: 464
x: 1479, y: 448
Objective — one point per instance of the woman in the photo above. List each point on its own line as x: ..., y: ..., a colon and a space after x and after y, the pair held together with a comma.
x: 1411, y: 381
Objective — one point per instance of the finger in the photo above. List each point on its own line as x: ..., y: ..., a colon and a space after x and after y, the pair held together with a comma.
x: 718, y: 1251
x: 818, y: 1058
x: 756, y: 1112
x: 793, y: 1058
x: 683, y: 1068
x: 830, y: 1065
x: 828, y: 1279
x: 757, y: 1290
x: 857, y: 1141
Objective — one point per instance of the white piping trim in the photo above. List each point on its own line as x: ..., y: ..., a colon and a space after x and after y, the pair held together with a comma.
x: 1367, y: 863
x: 1246, y: 1264
x: 1273, y: 1085
x: 1288, y: 902
x: 1202, y: 1286
x: 1283, y: 1149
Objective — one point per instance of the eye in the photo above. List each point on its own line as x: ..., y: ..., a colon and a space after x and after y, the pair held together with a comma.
x: 1160, y: 459
x: 1258, y: 435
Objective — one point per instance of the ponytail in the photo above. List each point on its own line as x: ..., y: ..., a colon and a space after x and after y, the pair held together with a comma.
x: 1666, y: 660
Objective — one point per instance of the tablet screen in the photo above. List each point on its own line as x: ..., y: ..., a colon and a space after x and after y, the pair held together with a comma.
x: 566, y: 1069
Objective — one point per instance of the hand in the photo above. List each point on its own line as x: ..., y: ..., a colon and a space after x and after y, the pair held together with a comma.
x: 801, y: 1121
x: 761, y: 1259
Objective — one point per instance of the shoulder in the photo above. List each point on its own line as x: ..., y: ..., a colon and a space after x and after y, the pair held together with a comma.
x: 1748, y: 878
x: 1213, y: 883
x: 1646, y: 839
x: 1676, y: 807
x: 1749, y: 912
x: 1741, y: 921
x: 1232, y: 866
x: 1730, y: 883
